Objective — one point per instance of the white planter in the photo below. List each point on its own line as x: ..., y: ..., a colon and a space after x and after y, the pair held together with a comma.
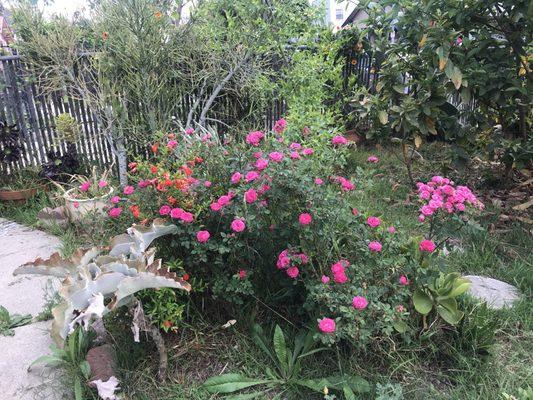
x: 79, y: 208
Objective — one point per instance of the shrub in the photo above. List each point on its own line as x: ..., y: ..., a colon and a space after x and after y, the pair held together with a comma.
x: 274, y: 218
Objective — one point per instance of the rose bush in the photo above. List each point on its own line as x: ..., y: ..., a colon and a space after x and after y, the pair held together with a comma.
x: 274, y: 218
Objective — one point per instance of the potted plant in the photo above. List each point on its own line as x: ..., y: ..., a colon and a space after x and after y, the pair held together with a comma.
x: 86, y: 195
x: 17, y: 185
x: 21, y: 185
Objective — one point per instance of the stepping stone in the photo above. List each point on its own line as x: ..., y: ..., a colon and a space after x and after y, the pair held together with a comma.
x: 495, y: 293
x: 24, y: 295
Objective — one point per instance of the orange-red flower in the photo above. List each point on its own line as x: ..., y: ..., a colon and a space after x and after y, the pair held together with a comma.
x: 135, y: 210
x: 155, y: 147
x: 171, y: 200
x: 186, y: 170
x: 167, y: 324
x: 185, y: 277
x: 153, y: 169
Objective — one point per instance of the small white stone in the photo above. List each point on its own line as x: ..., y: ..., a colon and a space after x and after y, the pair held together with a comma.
x: 495, y: 293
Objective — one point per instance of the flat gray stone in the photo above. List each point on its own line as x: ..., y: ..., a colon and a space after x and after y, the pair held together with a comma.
x: 24, y: 295
x: 495, y: 293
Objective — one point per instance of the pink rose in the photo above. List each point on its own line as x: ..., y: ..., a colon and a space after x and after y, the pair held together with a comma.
x: 375, y: 246
x: 165, y: 210
x: 305, y: 218
x: 307, y: 151
x: 235, y: 178
x: 391, y: 229
x: 203, y: 236
x: 326, y: 325
x: 355, y: 211
x: 85, y: 186
x: 189, y: 131
x: 294, y: 155
x: 373, y: 159
x: 280, y: 126
x: 319, y: 181
x: 129, y: 190
x: 250, y: 196
x: 115, y: 199
x: 261, y: 164
x: 325, y: 279
x: 238, y: 225
x: 186, y: 217
x: 293, y: 272
x: 176, y: 213
x: 276, y: 156
x: 359, y: 303
x: 373, y: 221
x: 102, y: 184
x: 254, y: 138
x: 207, y: 183
x: 215, y: 207
x: 403, y: 280
x: 171, y: 144
x: 295, y: 146
x: 251, y: 176
x: 115, y: 212
x: 242, y: 274
x: 427, y: 246
x: 339, y: 140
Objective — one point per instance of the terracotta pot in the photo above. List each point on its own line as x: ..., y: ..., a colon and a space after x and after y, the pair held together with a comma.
x: 79, y: 208
x: 18, y: 195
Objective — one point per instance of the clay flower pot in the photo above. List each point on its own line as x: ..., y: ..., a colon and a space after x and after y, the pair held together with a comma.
x: 79, y: 208
x: 18, y: 195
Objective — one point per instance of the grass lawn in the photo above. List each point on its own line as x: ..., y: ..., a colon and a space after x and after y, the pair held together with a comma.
x: 473, y: 365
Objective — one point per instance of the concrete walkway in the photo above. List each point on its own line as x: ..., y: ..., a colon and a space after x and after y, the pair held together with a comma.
x: 24, y: 295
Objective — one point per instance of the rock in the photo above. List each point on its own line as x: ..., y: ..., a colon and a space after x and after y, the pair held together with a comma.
x: 102, y: 360
x: 495, y: 293
x: 50, y: 216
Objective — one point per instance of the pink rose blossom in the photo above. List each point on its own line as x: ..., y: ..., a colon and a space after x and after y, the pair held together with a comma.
x: 250, y: 196
x: 400, y: 308
x: 319, y: 181
x: 293, y: 272
x: 254, y: 138
x: 427, y: 246
x: 295, y: 146
x: 215, y: 207
x: 171, y: 144
x: 325, y: 279
x: 207, y: 183
x: 373, y: 159
x: 326, y: 325
x: 76, y: 204
x: 294, y: 155
x: 165, y: 210
x: 375, y: 246
x: 102, y: 184
x: 115, y: 199
x: 258, y: 154
x: 391, y: 229
x: 186, y: 217
x: 236, y: 177
x: 280, y: 126
x: 84, y: 187
x: 374, y: 222
x: 238, y: 225
x: 242, y: 274
x: 224, y: 200
x: 403, y: 280
x: 203, y: 236
x: 355, y: 211
x: 307, y: 151
x: 189, y: 131
x: 115, y: 212
x: 276, y: 156
x: 129, y: 190
x: 359, y: 303
x: 176, y: 213
x: 339, y: 140
x: 261, y: 164
x: 305, y: 218
x: 251, y: 176
x: 340, y: 278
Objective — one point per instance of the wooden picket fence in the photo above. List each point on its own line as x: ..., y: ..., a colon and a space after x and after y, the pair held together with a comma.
x: 23, y: 105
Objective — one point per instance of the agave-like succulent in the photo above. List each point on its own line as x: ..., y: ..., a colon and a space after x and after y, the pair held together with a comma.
x: 115, y: 273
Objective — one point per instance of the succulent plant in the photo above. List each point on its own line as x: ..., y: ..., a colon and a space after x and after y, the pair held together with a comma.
x: 115, y: 273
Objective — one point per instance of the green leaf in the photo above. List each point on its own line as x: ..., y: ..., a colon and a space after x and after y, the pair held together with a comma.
x: 348, y: 393
x: 459, y: 289
x: 78, y: 389
x: 280, y: 347
x: 450, y: 316
x: 400, y: 326
x: 47, y: 360
x: 457, y: 77
x: 399, y: 89
x: 422, y: 302
x: 85, y: 369
x: 383, y: 117
x: 229, y: 383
